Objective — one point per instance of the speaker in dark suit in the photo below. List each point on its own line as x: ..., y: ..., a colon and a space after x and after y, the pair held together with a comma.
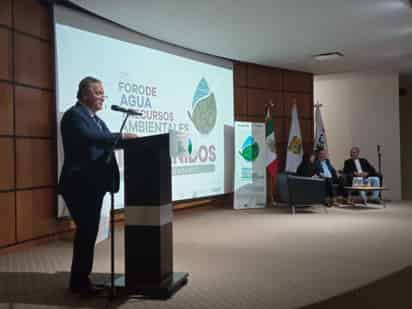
x: 85, y: 177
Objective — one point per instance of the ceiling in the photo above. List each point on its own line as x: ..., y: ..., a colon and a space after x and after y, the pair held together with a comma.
x: 372, y: 34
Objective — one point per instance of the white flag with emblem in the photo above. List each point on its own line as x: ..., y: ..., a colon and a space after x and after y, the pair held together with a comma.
x: 295, y: 147
x: 320, y: 141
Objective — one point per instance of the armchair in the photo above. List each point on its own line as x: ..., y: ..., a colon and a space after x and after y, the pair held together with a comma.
x: 297, y: 191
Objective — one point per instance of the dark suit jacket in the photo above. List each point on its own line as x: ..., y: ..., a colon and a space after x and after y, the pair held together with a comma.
x: 319, y: 169
x: 86, y: 146
x: 350, y: 167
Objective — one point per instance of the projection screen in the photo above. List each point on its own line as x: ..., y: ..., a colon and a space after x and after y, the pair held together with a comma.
x: 175, y: 89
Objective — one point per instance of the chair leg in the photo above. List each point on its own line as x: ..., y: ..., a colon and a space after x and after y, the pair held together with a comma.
x: 293, y: 210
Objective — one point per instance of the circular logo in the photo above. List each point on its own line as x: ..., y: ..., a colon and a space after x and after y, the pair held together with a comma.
x: 250, y: 149
x: 204, y: 109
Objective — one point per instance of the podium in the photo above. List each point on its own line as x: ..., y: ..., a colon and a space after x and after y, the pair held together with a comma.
x: 148, y: 229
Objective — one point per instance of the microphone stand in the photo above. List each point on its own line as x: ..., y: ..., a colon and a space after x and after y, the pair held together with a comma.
x: 109, y: 159
x: 379, y: 160
x: 378, y: 148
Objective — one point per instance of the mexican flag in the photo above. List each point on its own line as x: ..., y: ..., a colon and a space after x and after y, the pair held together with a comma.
x: 271, y: 157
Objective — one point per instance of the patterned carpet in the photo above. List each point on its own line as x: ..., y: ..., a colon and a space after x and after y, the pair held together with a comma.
x: 348, y: 258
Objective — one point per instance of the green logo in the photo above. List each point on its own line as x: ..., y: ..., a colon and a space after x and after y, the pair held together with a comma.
x: 250, y: 149
x: 189, y: 146
x: 204, y: 110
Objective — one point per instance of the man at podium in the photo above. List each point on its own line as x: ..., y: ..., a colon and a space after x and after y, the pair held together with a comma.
x: 86, y: 177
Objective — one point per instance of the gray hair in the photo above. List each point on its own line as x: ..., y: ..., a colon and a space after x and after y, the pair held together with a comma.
x: 84, y: 86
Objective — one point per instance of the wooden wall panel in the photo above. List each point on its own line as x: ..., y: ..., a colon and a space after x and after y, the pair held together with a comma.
x: 308, y: 147
x: 5, y: 13
x: 297, y: 81
x: 303, y: 104
x: 29, y: 162
x: 32, y: 17
x: 6, y: 163
x: 242, y: 118
x: 7, y: 219
x: 240, y: 101
x: 36, y: 213
x: 306, y: 127
x: 6, y: 109
x: 250, y: 118
x: 306, y: 105
x: 35, y: 163
x: 280, y: 130
x: 289, y: 99
x: 5, y: 54
x: 240, y: 74
x: 35, y: 114
x: 264, y: 77
x: 33, y: 62
x: 257, y: 100
x: 288, y: 87
x: 287, y: 129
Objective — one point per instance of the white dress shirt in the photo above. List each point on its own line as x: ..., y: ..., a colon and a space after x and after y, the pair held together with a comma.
x: 358, y: 166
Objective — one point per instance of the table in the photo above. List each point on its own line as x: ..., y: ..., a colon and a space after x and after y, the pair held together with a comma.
x: 366, y: 189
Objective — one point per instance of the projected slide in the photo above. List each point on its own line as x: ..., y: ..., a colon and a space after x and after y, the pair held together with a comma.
x: 172, y: 92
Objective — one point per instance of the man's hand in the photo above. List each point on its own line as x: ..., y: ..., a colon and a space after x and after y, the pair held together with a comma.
x: 363, y: 174
x: 129, y: 136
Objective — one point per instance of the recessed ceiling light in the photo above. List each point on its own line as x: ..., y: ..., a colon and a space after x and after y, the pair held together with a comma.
x: 328, y: 56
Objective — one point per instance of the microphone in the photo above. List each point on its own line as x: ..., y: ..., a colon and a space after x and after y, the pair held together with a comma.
x: 128, y: 111
x: 378, y: 148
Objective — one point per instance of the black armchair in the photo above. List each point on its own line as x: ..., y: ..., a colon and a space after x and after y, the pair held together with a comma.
x: 297, y: 191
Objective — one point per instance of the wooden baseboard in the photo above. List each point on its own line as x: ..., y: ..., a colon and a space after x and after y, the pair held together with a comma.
x: 191, y: 204
x: 32, y: 243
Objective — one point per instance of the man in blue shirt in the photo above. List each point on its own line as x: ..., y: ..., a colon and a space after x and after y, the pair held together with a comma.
x: 324, y: 169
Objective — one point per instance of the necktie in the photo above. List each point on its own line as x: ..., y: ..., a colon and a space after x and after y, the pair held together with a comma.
x: 97, y: 121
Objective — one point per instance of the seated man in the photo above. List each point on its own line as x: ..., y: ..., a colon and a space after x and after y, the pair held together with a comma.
x: 360, y: 167
x: 324, y: 169
x: 307, y: 167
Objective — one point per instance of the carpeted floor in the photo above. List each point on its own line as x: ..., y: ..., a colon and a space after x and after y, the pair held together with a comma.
x: 348, y: 258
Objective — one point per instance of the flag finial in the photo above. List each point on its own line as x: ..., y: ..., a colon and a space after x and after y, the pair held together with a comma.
x: 318, y: 104
x: 270, y: 104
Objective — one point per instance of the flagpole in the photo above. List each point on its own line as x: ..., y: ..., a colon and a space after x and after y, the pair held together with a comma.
x: 270, y: 180
x: 315, y: 107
